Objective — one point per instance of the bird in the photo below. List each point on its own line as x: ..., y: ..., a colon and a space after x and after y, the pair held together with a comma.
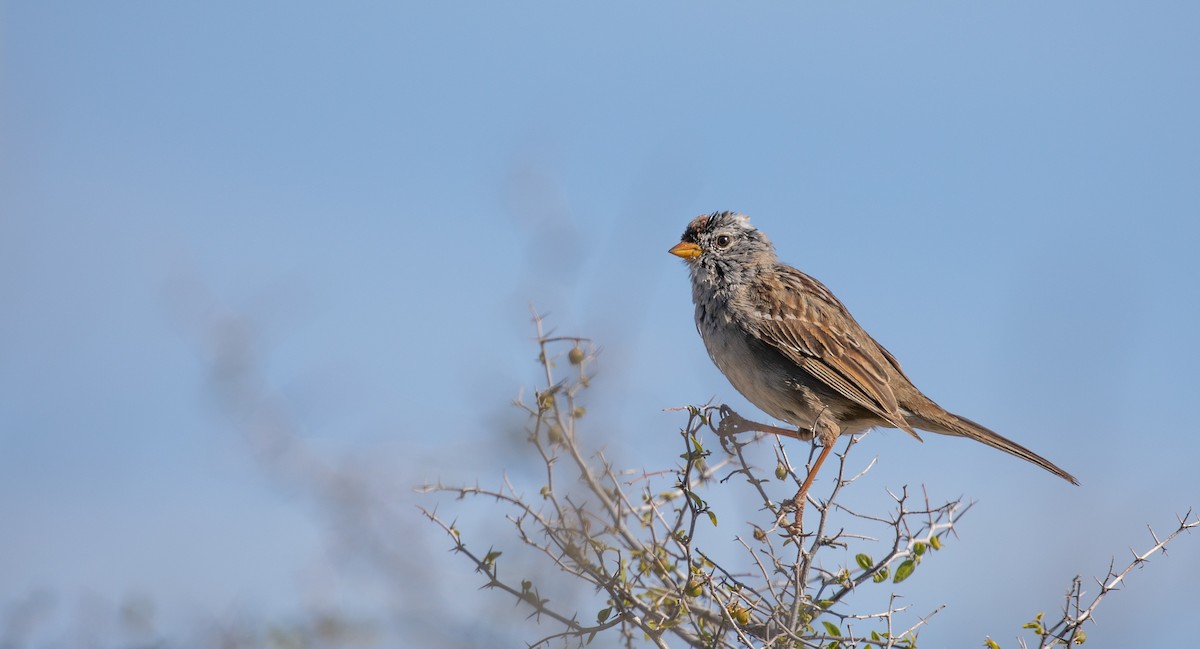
x: 788, y: 345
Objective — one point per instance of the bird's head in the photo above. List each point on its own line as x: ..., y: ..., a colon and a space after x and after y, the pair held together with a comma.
x: 723, y: 244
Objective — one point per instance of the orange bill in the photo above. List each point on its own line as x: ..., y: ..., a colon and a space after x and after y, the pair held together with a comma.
x: 686, y: 250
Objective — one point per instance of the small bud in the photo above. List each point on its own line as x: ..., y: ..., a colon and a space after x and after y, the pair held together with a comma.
x: 780, y: 470
x: 576, y: 355
x: 555, y: 434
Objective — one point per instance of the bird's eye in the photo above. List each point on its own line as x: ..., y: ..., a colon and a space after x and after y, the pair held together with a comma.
x: 724, y: 240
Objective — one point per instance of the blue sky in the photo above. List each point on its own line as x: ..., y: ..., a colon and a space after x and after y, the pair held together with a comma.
x: 1005, y: 195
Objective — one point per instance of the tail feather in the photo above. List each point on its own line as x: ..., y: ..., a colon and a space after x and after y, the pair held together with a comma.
x: 948, y: 423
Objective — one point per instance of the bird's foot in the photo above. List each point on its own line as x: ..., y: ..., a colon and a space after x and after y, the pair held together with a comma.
x: 796, y: 527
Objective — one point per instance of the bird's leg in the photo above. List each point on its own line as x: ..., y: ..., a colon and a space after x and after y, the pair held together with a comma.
x: 733, y: 423
x: 826, y: 429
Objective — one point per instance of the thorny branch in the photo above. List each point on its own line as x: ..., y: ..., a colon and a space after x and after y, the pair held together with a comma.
x: 1068, y: 629
x: 633, y: 536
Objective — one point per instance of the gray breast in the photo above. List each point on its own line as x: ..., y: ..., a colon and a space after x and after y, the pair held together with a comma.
x: 761, y: 373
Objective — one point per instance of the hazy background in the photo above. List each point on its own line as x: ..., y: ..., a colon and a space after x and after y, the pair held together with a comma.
x: 369, y: 196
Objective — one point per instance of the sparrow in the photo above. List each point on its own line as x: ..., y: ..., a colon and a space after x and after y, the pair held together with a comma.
x: 792, y: 348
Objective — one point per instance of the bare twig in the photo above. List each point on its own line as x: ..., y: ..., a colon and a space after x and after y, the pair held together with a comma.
x: 1069, y: 628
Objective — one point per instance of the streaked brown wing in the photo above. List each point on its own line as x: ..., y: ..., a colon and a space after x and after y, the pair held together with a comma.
x: 803, y: 320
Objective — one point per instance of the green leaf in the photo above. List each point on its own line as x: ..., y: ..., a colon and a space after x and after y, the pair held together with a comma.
x: 864, y: 561
x: 904, y: 571
x: 990, y: 644
x: 712, y: 517
x: 919, y: 548
x: 832, y: 629
x: 1036, y: 624
x: 602, y: 616
x: 880, y: 576
x: 936, y: 543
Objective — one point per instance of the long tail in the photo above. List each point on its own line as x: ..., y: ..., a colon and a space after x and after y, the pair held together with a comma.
x: 948, y: 423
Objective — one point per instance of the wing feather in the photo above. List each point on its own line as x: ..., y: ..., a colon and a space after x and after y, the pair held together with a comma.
x: 803, y: 320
